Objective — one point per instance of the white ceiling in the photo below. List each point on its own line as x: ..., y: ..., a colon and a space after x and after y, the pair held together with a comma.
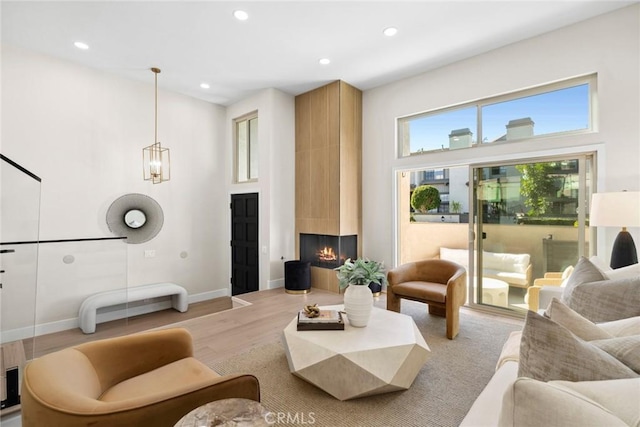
x: 280, y: 44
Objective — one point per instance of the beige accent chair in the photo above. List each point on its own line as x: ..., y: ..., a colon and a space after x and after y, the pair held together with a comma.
x: 558, y: 279
x: 439, y: 283
x: 146, y: 379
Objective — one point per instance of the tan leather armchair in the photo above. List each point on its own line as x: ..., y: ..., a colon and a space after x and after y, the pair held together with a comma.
x: 146, y: 379
x: 439, y: 283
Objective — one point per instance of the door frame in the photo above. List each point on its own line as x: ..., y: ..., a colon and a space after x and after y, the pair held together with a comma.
x: 475, y: 226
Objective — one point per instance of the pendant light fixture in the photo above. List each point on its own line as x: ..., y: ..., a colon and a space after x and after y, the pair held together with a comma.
x: 155, y: 159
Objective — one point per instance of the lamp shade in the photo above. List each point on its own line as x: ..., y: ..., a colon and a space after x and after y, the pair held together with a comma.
x: 617, y: 209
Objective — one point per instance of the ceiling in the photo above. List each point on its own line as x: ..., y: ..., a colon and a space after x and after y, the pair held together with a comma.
x: 279, y: 46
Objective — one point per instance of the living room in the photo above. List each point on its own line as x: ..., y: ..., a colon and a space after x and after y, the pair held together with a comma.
x: 82, y: 130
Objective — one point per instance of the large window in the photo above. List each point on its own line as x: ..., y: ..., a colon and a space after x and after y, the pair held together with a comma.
x: 547, y: 110
x: 246, y: 141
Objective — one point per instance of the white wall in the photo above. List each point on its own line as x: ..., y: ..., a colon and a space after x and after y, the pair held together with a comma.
x: 82, y: 131
x: 276, y: 182
x: 608, y: 45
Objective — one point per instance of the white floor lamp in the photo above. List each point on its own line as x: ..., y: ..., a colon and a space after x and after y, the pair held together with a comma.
x: 618, y: 209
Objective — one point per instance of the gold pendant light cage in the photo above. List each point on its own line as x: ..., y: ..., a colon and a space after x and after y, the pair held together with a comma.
x: 155, y: 158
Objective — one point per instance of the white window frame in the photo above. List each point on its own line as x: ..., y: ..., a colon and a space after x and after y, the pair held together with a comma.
x: 246, y: 159
x: 590, y: 80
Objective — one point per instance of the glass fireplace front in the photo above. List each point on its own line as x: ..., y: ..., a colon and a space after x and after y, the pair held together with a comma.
x: 327, y: 251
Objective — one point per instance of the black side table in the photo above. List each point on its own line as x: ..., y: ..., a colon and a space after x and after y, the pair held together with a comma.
x: 297, y: 277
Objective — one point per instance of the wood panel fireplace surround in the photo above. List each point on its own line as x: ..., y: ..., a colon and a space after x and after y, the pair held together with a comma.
x: 328, y: 179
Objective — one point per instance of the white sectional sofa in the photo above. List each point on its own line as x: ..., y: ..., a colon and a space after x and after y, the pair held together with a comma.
x: 579, y: 365
x: 515, y: 269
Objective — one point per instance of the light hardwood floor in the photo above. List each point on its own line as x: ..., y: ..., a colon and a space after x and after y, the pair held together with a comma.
x: 218, y: 330
x: 227, y: 331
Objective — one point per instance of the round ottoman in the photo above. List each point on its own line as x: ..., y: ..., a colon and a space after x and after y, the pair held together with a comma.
x: 297, y: 277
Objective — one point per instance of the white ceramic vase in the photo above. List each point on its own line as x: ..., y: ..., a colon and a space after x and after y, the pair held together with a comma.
x: 358, y: 302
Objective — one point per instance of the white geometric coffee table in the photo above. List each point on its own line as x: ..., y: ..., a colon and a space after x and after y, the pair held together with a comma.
x: 384, y: 356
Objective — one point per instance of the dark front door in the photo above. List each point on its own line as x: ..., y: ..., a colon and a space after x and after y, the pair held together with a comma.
x: 244, y: 243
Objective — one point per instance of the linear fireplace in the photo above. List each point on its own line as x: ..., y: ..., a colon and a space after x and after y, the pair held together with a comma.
x: 327, y: 251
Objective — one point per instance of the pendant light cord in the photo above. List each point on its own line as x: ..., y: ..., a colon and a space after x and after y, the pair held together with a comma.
x: 156, y: 71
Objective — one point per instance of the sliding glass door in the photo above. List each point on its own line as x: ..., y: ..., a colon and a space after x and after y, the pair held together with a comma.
x: 530, y: 219
x: 508, y: 223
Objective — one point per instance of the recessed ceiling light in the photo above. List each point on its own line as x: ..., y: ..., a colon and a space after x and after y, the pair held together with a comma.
x: 81, y: 45
x: 390, y: 31
x: 204, y: 85
x: 241, y: 15
x: 325, y: 61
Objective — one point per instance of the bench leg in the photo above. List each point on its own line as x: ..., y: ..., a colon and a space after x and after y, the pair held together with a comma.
x: 88, y: 321
x: 180, y: 302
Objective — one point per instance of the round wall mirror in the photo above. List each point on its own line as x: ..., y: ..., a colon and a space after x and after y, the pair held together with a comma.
x: 135, y: 218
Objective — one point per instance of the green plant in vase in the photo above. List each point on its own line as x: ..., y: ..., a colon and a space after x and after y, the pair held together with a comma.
x: 357, y: 277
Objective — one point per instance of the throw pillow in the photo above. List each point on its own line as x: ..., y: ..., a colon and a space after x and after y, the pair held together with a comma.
x: 549, y: 351
x: 625, y: 349
x: 583, y: 272
x: 532, y: 403
x: 623, y: 272
x: 607, y: 300
x: 600, y: 263
x: 581, y: 327
x: 622, y: 327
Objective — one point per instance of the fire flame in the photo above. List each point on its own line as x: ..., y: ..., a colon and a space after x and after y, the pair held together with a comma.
x: 327, y: 254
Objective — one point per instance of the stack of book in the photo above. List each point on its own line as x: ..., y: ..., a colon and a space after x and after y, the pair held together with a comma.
x: 328, y: 320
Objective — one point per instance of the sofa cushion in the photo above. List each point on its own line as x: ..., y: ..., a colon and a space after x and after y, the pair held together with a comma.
x: 549, y: 351
x: 583, y: 272
x: 506, y: 276
x: 459, y: 256
x: 529, y: 402
x: 515, y: 263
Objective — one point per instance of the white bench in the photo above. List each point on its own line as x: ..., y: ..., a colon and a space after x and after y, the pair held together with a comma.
x: 87, y: 315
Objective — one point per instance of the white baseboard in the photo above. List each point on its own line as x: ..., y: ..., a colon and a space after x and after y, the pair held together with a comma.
x: 277, y: 283
x: 106, y: 315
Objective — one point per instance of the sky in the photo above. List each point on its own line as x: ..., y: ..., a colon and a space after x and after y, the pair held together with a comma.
x: 557, y: 111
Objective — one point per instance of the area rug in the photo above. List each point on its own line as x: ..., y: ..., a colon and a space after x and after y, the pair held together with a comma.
x: 441, y: 395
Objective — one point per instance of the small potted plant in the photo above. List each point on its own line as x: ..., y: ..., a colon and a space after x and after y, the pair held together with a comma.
x: 356, y: 276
